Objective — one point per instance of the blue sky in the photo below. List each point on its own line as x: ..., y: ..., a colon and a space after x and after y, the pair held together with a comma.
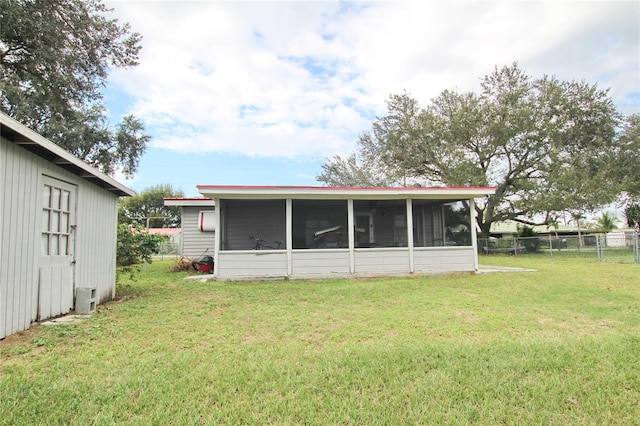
x: 263, y: 93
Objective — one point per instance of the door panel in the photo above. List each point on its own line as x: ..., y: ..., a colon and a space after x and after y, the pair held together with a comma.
x: 56, y: 268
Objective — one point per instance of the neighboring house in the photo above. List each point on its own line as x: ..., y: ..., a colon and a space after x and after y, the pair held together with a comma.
x: 621, y: 238
x: 58, y: 222
x: 172, y: 239
x: 297, y: 232
x: 510, y: 228
x: 171, y: 234
x: 197, y: 221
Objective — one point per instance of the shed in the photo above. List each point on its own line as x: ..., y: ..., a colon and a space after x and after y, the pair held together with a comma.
x: 301, y: 232
x: 58, y: 224
x: 197, y: 220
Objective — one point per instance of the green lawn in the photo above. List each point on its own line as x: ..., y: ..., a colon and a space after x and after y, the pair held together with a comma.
x: 556, y: 346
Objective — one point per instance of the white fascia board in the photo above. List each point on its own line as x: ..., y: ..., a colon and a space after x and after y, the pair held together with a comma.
x: 266, y: 192
x: 189, y: 202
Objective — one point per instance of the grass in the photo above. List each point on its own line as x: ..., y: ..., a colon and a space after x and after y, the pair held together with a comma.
x: 556, y: 346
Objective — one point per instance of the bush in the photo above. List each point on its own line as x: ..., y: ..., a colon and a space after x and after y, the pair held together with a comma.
x: 135, y: 245
x: 529, y: 239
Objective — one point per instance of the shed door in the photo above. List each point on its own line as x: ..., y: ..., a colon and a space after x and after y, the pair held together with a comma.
x: 55, y: 295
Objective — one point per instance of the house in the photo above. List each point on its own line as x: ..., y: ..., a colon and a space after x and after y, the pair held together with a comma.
x: 509, y: 228
x: 171, y: 239
x: 197, y: 221
x: 58, y: 221
x: 301, y: 232
x: 625, y: 237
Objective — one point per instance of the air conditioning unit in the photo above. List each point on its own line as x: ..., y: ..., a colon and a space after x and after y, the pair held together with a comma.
x: 86, y: 300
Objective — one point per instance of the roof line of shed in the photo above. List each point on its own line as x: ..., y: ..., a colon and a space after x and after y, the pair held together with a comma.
x: 29, y: 139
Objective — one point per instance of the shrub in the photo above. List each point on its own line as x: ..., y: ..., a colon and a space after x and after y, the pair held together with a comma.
x: 529, y: 238
x: 135, y: 245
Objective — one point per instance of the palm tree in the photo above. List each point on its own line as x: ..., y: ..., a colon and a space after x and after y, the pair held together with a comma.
x: 577, y: 217
x: 554, y: 223
x: 607, y: 222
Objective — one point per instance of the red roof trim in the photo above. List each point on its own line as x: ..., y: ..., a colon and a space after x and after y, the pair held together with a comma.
x: 343, y: 188
x: 190, y: 199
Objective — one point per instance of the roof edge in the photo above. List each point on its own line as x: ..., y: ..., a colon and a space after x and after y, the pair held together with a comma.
x: 243, y: 191
x: 57, y: 151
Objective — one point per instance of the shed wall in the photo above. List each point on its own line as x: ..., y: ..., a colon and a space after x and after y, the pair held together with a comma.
x: 194, y: 241
x: 96, y: 219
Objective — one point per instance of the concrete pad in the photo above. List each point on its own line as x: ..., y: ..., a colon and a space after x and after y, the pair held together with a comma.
x: 489, y: 269
x: 66, y: 319
x: 200, y: 277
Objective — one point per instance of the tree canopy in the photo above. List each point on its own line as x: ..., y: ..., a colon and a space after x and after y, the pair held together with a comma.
x: 545, y: 144
x: 606, y: 222
x: 626, y: 158
x: 632, y: 215
x: 55, y: 57
x: 147, y: 208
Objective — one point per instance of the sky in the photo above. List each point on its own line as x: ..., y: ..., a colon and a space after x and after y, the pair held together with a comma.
x: 265, y: 92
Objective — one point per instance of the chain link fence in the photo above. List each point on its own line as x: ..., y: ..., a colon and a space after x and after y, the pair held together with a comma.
x: 169, y: 250
x: 623, y: 247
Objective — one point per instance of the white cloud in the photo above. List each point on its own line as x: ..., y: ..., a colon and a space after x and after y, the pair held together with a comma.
x: 288, y: 79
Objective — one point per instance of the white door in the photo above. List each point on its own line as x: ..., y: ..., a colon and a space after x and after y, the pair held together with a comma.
x: 56, y: 284
x: 364, y: 229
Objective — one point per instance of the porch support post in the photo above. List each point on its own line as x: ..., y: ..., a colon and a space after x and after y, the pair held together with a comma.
x: 474, y: 236
x: 352, y: 238
x: 289, y: 235
x: 410, y: 234
x: 217, y: 236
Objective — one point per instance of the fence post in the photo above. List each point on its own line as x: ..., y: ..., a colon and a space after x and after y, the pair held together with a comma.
x: 599, y: 248
x: 550, y: 246
x: 636, y: 247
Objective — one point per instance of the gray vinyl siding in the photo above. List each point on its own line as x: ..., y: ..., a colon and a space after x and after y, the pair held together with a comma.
x: 444, y: 259
x: 20, y: 213
x: 252, y: 264
x: 194, y: 241
x: 318, y: 263
x: 381, y: 261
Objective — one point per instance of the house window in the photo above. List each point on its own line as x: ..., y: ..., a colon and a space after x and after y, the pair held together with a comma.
x: 56, y: 226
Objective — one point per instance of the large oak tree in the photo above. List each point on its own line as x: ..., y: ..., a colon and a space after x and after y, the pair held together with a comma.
x: 147, y: 208
x: 55, y: 56
x: 546, y: 144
